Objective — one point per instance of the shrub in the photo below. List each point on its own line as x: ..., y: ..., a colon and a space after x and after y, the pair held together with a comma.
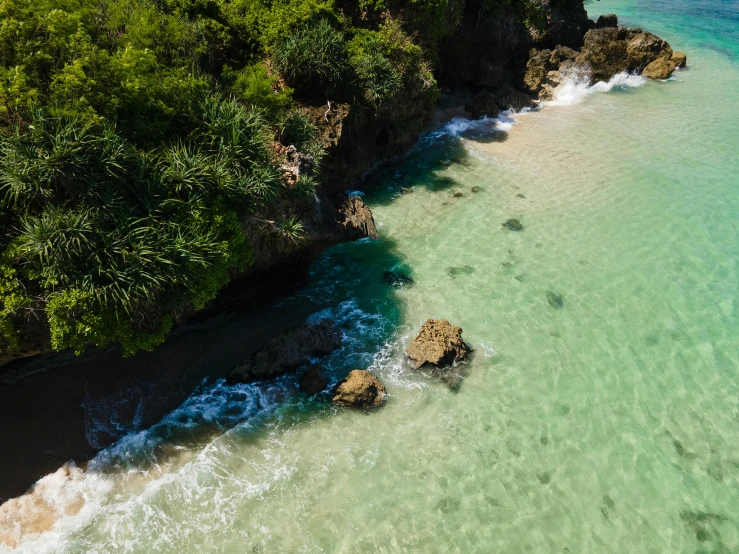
x: 254, y: 86
x: 296, y: 128
x: 291, y: 228
x: 305, y: 188
x: 313, y: 57
x: 120, y: 242
x: 379, y: 81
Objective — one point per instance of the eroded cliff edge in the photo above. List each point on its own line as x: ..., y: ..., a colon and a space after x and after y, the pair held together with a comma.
x: 492, y: 61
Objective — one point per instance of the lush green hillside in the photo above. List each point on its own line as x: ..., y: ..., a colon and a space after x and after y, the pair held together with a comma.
x: 138, y: 134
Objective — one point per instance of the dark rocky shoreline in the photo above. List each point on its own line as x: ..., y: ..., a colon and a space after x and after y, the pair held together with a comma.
x: 486, y: 68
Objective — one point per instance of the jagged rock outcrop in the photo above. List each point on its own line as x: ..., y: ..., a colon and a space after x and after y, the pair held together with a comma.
x: 296, y: 164
x: 611, y: 50
x: 357, y: 220
x: 607, y: 50
x: 543, y: 70
x: 439, y: 343
x: 288, y: 351
x: 359, y: 389
x: 359, y: 138
x: 607, y: 20
x: 324, y: 225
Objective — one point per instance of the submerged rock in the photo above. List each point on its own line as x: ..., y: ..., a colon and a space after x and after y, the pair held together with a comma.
x: 313, y: 380
x: 513, y: 225
x: 359, y: 389
x: 458, y: 195
x: 475, y: 189
x: 555, y: 300
x: 397, y: 280
x: 439, y: 343
x: 464, y: 270
x: 287, y: 351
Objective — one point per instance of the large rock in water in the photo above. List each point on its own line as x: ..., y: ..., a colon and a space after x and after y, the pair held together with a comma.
x: 611, y: 50
x: 313, y: 380
x: 359, y: 389
x: 358, y: 221
x: 439, y: 343
x: 288, y: 351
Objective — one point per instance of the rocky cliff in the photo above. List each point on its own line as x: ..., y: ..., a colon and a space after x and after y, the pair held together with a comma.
x: 491, y: 62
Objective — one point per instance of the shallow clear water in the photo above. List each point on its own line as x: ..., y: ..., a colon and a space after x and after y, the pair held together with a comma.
x: 607, y: 425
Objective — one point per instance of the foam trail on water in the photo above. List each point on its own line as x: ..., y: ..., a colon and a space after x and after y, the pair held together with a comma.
x: 63, y: 502
x: 460, y: 126
x: 576, y: 86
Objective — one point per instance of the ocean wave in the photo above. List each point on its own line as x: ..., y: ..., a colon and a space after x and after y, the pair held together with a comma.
x: 576, y: 87
x: 70, y: 498
x: 121, y: 477
x: 461, y: 126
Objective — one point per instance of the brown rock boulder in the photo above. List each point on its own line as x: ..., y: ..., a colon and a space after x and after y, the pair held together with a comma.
x: 643, y: 48
x: 680, y: 59
x: 359, y: 389
x: 604, y: 52
x: 661, y: 68
x: 357, y: 219
x: 439, y: 343
x: 537, y: 69
x: 287, y: 351
x: 611, y: 50
x: 313, y: 380
x: 608, y: 20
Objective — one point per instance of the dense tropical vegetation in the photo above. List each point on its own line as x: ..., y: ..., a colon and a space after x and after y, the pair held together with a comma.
x: 138, y: 134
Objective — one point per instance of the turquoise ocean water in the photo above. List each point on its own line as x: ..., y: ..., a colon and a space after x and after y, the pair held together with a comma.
x: 608, y: 422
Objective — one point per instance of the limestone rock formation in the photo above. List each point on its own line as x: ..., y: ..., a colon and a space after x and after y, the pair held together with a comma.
x: 543, y: 70
x: 439, y: 343
x: 607, y: 20
x: 680, y: 59
x: 359, y: 389
x: 358, y: 221
x: 611, y: 50
x: 287, y: 351
x: 607, y: 50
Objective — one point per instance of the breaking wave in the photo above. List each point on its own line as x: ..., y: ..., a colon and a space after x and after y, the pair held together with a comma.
x: 576, y: 86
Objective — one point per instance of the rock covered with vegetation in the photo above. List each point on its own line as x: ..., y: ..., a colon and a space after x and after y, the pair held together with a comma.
x: 154, y: 150
x: 150, y: 148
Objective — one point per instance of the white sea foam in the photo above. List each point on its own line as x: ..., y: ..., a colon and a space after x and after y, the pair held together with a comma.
x: 460, y: 126
x: 576, y: 87
x: 63, y: 502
